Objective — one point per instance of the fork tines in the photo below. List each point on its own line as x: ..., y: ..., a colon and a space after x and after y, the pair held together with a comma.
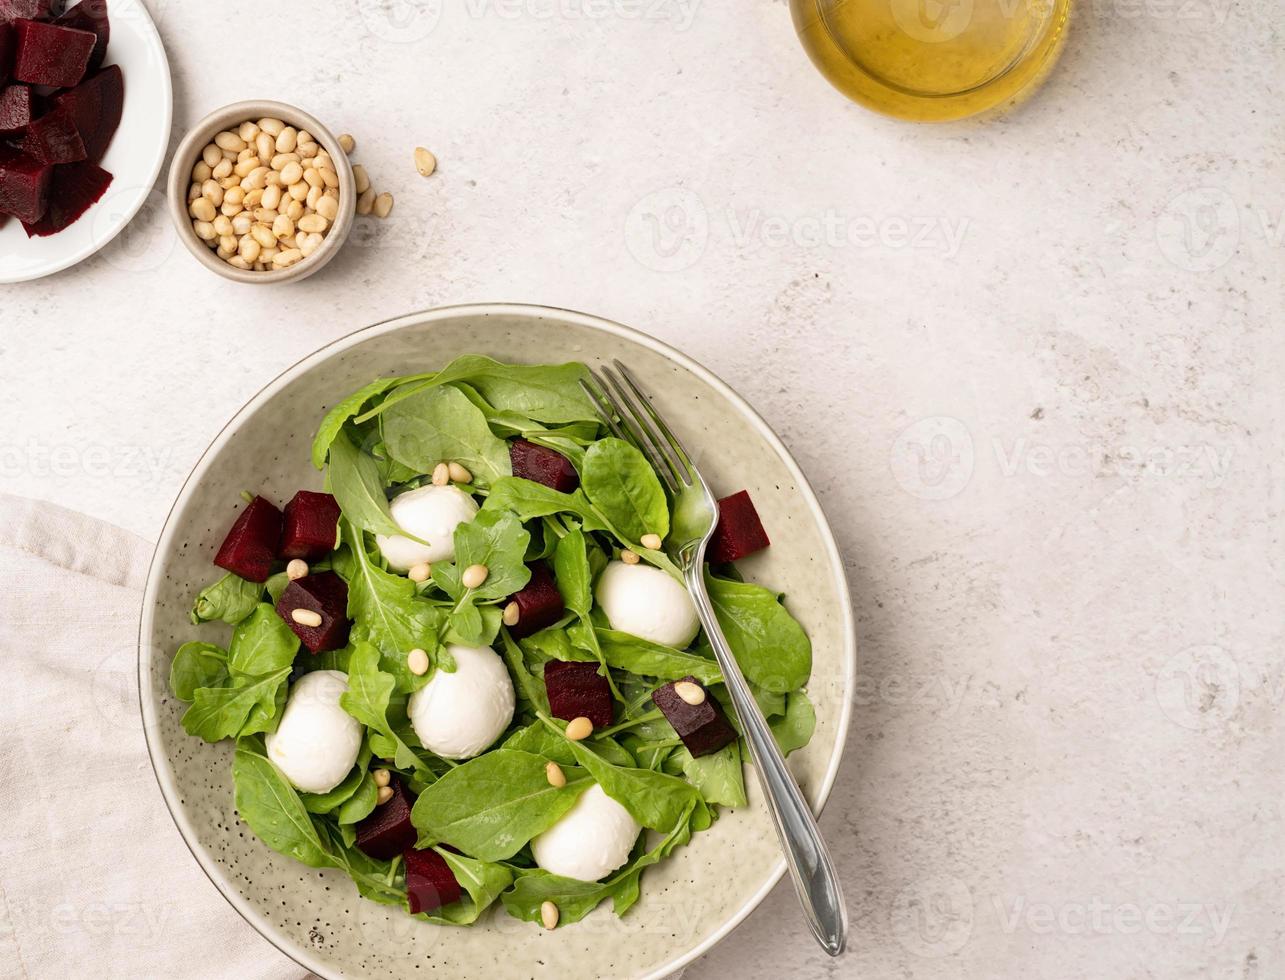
x: 627, y: 411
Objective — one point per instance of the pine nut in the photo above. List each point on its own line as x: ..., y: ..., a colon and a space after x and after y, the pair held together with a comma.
x: 309, y: 150
x: 234, y: 195
x: 287, y: 140
x: 298, y: 191
x: 212, y: 155
x: 239, y: 263
x: 299, y: 239
x: 383, y: 205
x: 225, y: 251
x: 287, y: 258
x: 578, y: 729
x: 291, y: 173
x: 459, y: 473
x: 222, y: 169
x: 323, y: 160
x: 204, y: 230
x: 313, y: 178
x: 250, y: 248
x: 265, y: 216
x: 272, y: 126
x: 229, y: 141
x: 346, y: 142
x: 254, y: 198
x: 366, y: 201
x: 295, y: 210
x: 420, y: 572
x: 241, y: 224
x: 328, y: 176
x: 417, y: 662
x: 425, y: 162
x: 382, y: 777
x: 202, y: 209
x: 362, y: 179
x: 245, y: 167
x: 328, y: 207
x: 441, y: 475
x: 223, y: 224
x: 245, y: 154
x: 263, y: 235
x: 385, y: 794
x: 248, y: 130
x: 308, y: 243
x: 212, y: 192
x: 201, y: 172
x: 283, y: 160
x: 629, y: 557
x: 651, y: 542
x: 265, y: 146
x: 315, y: 194
x: 474, y: 576
x: 313, y: 223
x: 553, y: 772
x: 271, y: 197
x: 693, y: 694
x: 296, y: 569
x: 230, y: 209
x: 512, y: 613
x: 193, y: 192
x: 283, y: 227
x: 549, y: 915
x: 306, y: 137
x: 306, y: 617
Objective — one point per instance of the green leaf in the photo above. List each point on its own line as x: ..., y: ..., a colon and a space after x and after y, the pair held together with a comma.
x: 354, y: 480
x: 795, y: 730
x: 769, y: 644
x: 360, y: 805
x: 222, y: 712
x: 367, y: 697
x: 197, y: 665
x: 528, y: 689
x: 718, y: 777
x: 529, y: 500
x: 538, y: 739
x: 572, y: 573
x: 498, y: 541
x: 624, y: 651
x: 482, y: 881
x: 491, y: 806
x: 620, y: 482
x: 338, y: 416
x: 230, y: 599
x: 323, y: 803
x: 262, y: 643
x: 546, y: 392
x: 269, y: 806
x: 438, y: 424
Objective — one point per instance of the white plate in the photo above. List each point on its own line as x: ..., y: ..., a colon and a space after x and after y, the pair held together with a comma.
x: 134, y: 158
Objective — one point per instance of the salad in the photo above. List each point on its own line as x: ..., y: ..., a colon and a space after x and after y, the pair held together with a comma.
x: 467, y: 673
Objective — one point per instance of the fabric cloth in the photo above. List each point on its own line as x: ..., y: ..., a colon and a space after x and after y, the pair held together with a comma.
x: 94, y: 878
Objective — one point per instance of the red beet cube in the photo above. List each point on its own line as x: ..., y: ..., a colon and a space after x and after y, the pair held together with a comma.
x: 251, y: 546
x: 52, y: 55
x: 539, y: 602
x: 96, y: 105
x: 75, y: 188
x: 90, y: 15
x: 15, y: 108
x: 11, y: 10
x: 739, y: 531
x: 532, y: 462
x: 311, y: 524
x: 8, y: 48
x: 703, y: 727
x: 577, y: 689
x: 326, y: 594
x: 53, y: 138
x: 388, y: 830
x: 24, y: 185
x: 430, y: 883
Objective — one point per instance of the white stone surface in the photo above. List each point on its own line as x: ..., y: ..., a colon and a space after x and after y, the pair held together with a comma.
x: 1047, y: 426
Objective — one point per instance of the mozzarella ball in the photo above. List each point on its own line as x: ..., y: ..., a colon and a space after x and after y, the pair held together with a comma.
x: 431, y: 514
x: 460, y: 715
x: 593, y: 838
x: 645, y: 602
x: 317, y: 742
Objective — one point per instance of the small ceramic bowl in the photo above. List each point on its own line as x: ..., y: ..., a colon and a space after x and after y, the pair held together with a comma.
x: 230, y: 117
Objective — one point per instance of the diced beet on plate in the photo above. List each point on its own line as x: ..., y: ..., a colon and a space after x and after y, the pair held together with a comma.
x: 53, y: 138
x: 11, y: 10
x: 325, y: 594
x: 739, y: 531
x: 310, y: 527
x: 15, y: 108
x: 703, y: 727
x: 8, y: 48
x: 430, y: 883
x: 539, y: 602
x: 90, y: 15
x: 251, y: 545
x: 74, y: 190
x: 578, y: 690
x: 24, y: 185
x: 388, y: 830
x: 52, y: 55
x: 541, y: 465
x: 96, y: 105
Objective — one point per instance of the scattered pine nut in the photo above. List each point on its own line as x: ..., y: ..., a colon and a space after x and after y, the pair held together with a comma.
x: 425, y: 162
x: 385, y: 794
x: 420, y: 572
x: 306, y: 617
x: 629, y: 557
x: 382, y: 777
x: 693, y: 694
x: 297, y: 568
x: 512, y: 613
x: 383, y: 205
x: 441, y: 475
x: 459, y: 473
x: 366, y: 201
x: 361, y: 177
x: 346, y: 142
x: 474, y: 576
x: 579, y: 729
x: 417, y: 662
x: 651, y: 542
x: 553, y: 772
x: 549, y: 915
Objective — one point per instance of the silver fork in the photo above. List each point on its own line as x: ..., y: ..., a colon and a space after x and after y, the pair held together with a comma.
x: 627, y: 411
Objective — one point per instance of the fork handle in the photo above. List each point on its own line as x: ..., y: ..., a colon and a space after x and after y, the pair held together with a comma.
x: 811, y: 866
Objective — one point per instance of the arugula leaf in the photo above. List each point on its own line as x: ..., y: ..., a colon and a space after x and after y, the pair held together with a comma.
x: 795, y: 729
x: 482, y: 881
x: 496, y: 540
x: 547, y: 392
x: 719, y: 777
x: 354, y: 480
x: 222, y: 712
x: 360, y: 805
x: 230, y: 599
x: 440, y: 423
x: 369, y: 690
x: 620, y: 482
x: 323, y: 803
x: 624, y: 651
x: 537, y: 739
x: 769, y: 643
x: 528, y: 690
x: 530, y: 500
x: 262, y: 643
x: 491, y: 806
x: 338, y: 417
x: 269, y: 806
x: 197, y: 665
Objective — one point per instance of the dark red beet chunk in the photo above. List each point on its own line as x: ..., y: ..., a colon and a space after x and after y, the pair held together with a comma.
x: 739, y: 531
x: 15, y: 108
x: 251, y: 546
x: 311, y: 524
x: 388, y: 830
x: 8, y: 48
x: 325, y: 594
x: 430, y: 883
x: 52, y: 55
x: 24, y: 185
x: 577, y: 689
x: 90, y: 15
x: 532, y: 462
x: 11, y: 10
x: 703, y: 727
x: 75, y: 188
x: 539, y: 602
x: 95, y: 105
x: 53, y: 138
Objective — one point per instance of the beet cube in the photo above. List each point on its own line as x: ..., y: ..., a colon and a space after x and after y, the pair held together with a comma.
x: 74, y: 189
x: 539, y: 602
x: 90, y: 15
x: 52, y: 55
x: 251, y: 546
x: 325, y: 594
x: 24, y: 185
x: 577, y: 689
x: 15, y: 108
x: 311, y: 525
x: 95, y: 106
x: 430, y: 883
x: 11, y: 10
x: 703, y: 727
x: 8, y: 48
x: 53, y: 138
x: 739, y: 531
x: 388, y: 830
x: 541, y: 465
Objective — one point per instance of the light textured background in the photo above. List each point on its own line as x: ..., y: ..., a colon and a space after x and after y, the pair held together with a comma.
x: 1034, y: 368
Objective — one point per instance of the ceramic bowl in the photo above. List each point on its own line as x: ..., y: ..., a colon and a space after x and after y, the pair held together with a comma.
x: 688, y: 902
x: 230, y: 117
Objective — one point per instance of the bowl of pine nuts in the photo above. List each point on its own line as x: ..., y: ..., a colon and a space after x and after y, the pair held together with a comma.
x: 262, y: 192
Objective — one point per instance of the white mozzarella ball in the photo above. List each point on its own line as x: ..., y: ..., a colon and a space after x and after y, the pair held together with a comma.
x: 460, y: 714
x: 645, y: 602
x: 432, y: 514
x: 317, y: 742
x: 593, y: 838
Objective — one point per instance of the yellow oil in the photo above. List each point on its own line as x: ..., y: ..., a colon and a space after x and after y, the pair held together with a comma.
x: 932, y: 60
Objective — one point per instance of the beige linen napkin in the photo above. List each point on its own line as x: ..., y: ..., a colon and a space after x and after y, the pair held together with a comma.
x: 94, y: 878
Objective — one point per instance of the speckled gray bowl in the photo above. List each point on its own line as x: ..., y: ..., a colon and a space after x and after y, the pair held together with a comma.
x: 690, y: 901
